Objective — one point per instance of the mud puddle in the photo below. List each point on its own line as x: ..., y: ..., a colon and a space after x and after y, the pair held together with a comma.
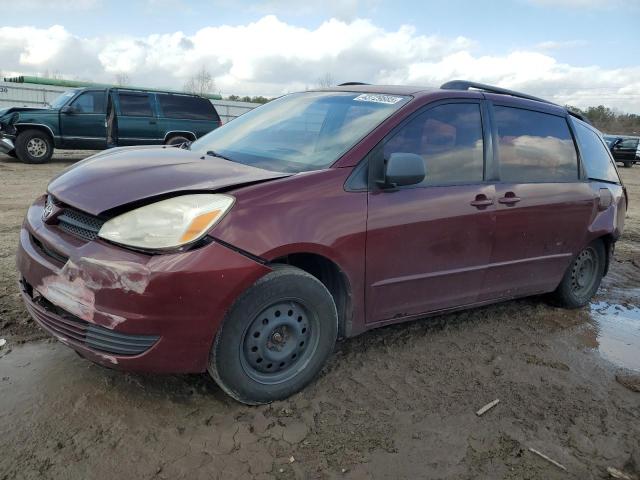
x: 615, y: 333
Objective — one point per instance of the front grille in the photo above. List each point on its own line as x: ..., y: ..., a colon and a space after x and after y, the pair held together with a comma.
x: 68, y: 326
x: 79, y: 224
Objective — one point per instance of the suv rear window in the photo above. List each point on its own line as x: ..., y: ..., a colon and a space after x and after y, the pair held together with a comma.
x: 135, y: 105
x: 186, y: 107
x: 534, y: 146
x: 595, y: 155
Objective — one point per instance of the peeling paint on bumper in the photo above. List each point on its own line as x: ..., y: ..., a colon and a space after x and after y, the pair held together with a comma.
x: 181, y: 298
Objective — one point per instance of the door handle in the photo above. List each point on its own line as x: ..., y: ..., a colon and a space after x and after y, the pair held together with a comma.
x: 152, y: 122
x: 509, y: 198
x: 481, y: 201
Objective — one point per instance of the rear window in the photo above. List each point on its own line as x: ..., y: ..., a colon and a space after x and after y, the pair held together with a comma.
x: 135, y: 105
x: 185, y: 107
x: 595, y: 155
x: 534, y: 147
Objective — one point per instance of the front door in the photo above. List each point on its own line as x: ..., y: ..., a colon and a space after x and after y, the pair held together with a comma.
x: 137, y: 123
x: 428, y: 245
x: 82, y: 124
x: 543, y: 208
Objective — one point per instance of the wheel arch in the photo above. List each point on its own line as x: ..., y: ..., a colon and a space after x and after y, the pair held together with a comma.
x: 22, y: 127
x: 176, y: 133
x: 331, y: 275
x: 609, y: 242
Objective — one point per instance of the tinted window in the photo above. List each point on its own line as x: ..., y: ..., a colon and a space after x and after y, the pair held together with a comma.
x: 534, y: 146
x: 192, y: 108
x: 629, y: 143
x: 448, y: 138
x: 135, y: 105
x: 89, y: 102
x: 595, y: 156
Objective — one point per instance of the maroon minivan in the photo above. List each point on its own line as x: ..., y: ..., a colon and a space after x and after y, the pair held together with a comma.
x: 319, y: 215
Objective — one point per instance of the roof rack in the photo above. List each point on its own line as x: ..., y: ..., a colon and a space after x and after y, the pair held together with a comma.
x: 346, y: 84
x: 466, y: 85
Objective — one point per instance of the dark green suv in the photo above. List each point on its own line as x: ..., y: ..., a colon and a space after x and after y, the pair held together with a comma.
x: 98, y: 118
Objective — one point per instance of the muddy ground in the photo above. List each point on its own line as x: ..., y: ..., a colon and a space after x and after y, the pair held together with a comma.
x: 395, y: 403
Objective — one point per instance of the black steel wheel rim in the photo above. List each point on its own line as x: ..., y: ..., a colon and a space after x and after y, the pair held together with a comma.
x: 584, y: 271
x: 279, y: 342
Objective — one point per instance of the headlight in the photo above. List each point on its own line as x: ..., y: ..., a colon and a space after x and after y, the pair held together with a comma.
x: 169, y: 223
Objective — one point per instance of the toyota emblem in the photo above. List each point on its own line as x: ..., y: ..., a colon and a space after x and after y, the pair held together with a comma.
x: 48, y: 210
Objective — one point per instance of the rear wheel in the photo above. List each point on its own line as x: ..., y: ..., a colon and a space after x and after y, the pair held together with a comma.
x: 582, y: 278
x: 177, y: 140
x: 628, y: 164
x: 276, y: 337
x: 34, y: 146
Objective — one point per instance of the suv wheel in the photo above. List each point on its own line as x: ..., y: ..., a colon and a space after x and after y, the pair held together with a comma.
x: 628, y: 164
x: 177, y: 140
x: 34, y: 146
x: 582, y: 278
x: 276, y: 337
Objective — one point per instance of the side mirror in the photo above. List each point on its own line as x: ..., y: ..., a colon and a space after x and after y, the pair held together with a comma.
x: 68, y: 109
x: 404, y: 169
x: 616, y: 143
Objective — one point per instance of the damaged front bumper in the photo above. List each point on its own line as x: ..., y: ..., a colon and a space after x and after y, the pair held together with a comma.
x: 125, y: 309
x: 6, y: 144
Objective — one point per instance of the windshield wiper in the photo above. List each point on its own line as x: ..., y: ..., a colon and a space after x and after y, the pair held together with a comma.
x: 211, y: 153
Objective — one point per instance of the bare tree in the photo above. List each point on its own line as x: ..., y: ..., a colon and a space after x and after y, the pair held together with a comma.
x: 325, y: 81
x: 200, y: 82
x: 122, y: 79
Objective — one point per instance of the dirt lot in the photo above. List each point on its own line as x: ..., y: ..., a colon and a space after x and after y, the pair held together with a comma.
x: 395, y: 403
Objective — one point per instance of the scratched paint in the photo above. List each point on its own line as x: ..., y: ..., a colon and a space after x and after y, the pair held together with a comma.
x: 70, y: 295
x: 98, y: 274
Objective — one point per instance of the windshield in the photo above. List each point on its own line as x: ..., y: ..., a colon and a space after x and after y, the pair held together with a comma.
x: 62, y: 99
x: 300, y: 132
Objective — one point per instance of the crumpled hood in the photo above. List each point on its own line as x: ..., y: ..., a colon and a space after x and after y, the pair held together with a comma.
x: 125, y: 175
x: 6, y: 111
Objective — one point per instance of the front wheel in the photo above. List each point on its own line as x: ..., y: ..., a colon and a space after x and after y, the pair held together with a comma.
x: 582, y: 278
x: 276, y: 337
x: 34, y: 146
x: 628, y: 164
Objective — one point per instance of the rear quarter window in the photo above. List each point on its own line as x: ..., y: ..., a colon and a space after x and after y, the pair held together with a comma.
x: 595, y: 155
x: 534, y: 146
x: 186, y: 107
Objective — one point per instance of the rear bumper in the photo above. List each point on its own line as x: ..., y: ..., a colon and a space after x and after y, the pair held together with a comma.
x: 125, y: 309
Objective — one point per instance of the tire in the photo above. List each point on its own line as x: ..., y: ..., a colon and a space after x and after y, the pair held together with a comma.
x: 583, y: 276
x: 177, y: 140
x: 628, y: 164
x: 275, y: 338
x: 34, y: 146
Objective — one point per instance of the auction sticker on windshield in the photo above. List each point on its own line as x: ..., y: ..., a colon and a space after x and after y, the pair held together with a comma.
x: 377, y: 98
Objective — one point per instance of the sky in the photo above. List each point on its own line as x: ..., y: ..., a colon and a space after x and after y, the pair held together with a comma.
x: 578, y: 52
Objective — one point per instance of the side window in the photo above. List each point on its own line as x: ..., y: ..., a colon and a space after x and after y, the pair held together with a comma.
x: 186, y: 107
x: 534, y: 146
x: 449, y: 139
x: 595, y: 156
x: 89, y: 102
x: 629, y: 143
x: 135, y: 104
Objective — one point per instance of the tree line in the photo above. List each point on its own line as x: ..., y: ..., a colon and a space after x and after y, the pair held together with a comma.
x: 609, y: 121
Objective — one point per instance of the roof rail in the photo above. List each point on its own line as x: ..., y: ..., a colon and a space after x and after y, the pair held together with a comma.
x: 346, y: 84
x: 466, y: 85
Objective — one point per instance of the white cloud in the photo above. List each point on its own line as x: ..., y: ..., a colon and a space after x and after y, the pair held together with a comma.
x: 270, y: 57
x: 557, y: 45
x: 60, y: 4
